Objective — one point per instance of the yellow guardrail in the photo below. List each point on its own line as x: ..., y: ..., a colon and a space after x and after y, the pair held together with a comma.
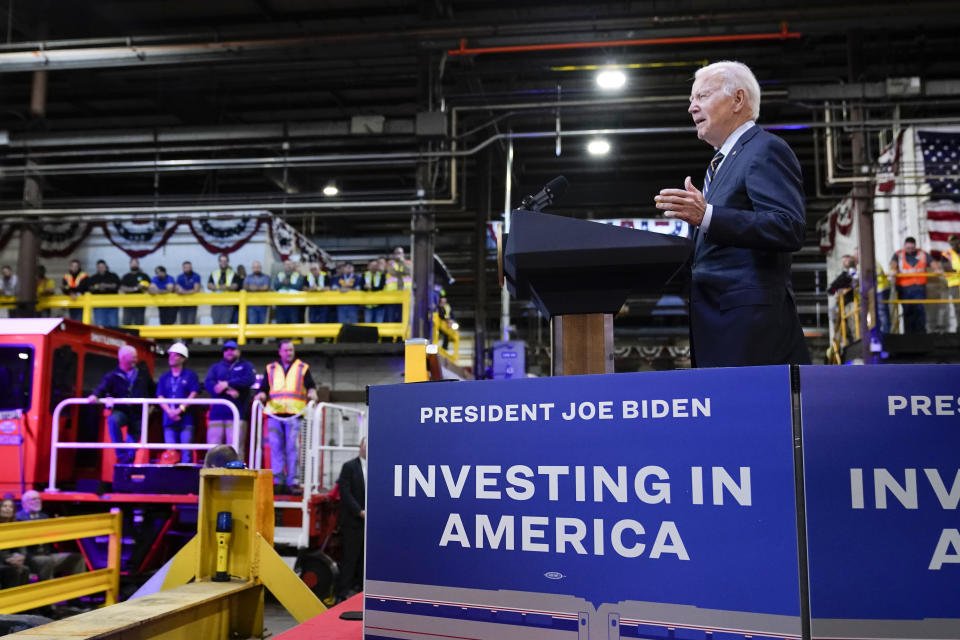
x: 442, y: 327
x: 243, y: 331
x: 38, y: 594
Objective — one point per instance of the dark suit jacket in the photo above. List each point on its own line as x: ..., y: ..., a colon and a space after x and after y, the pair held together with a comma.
x: 741, y: 298
x: 352, y: 494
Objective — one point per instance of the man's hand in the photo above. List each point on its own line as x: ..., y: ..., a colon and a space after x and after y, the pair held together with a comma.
x: 262, y: 398
x: 363, y: 513
x: 687, y: 204
x: 233, y: 393
x: 92, y: 398
x: 220, y: 386
x: 312, y: 395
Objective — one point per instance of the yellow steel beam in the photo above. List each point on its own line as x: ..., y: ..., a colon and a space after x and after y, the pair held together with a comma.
x: 262, y: 298
x: 30, y: 532
x: 183, y: 565
x: 287, y: 586
x: 39, y: 594
x: 200, y: 610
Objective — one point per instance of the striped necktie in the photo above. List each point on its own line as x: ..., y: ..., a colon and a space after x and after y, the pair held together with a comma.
x: 712, y: 171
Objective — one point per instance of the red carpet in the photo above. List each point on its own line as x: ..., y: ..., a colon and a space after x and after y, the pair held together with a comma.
x: 328, y: 625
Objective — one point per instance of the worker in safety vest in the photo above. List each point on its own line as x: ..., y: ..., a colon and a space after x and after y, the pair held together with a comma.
x: 289, y: 386
x: 910, y: 264
x: 222, y: 279
x: 398, y: 274
x: 951, y: 259
x: 70, y: 285
x: 374, y: 280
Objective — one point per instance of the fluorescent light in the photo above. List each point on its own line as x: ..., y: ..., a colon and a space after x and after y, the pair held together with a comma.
x: 330, y: 190
x: 611, y: 79
x: 23, y: 356
x: 598, y: 147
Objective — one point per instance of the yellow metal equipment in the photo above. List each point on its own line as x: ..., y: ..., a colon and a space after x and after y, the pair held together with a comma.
x: 39, y: 594
x: 204, y: 608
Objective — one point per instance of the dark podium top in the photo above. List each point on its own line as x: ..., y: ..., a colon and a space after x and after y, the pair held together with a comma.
x: 570, y: 266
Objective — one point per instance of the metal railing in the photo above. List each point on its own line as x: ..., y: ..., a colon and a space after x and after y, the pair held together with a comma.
x: 56, y: 444
x: 313, y: 447
x: 38, y: 594
x: 442, y: 327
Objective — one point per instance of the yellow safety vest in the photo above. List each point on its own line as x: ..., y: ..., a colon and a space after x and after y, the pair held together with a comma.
x: 287, y: 393
x: 373, y: 279
x: 953, y: 278
x: 215, y: 276
x: 391, y: 283
x: 883, y: 282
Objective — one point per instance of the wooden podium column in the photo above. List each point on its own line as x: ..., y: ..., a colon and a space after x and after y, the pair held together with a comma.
x: 581, y: 344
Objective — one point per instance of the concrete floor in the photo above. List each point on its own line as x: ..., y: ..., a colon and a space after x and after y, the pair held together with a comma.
x: 276, y: 620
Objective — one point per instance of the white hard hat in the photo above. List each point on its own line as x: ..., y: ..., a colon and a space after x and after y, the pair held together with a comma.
x: 179, y: 347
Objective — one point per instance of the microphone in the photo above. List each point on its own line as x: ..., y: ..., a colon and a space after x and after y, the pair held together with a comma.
x: 553, y: 190
x: 224, y: 529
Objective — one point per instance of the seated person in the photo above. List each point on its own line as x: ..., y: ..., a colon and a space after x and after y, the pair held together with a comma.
x: 42, y: 558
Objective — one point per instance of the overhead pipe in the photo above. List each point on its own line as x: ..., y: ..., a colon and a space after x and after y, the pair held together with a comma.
x: 206, y: 164
x: 783, y: 34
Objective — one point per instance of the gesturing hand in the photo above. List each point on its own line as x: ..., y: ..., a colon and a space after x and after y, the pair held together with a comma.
x: 687, y: 204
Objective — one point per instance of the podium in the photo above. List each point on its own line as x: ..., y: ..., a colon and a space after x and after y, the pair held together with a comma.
x: 579, y: 273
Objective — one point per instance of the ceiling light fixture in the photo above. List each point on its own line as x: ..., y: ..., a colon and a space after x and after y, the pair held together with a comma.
x: 598, y: 147
x: 611, y: 79
x: 330, y: 190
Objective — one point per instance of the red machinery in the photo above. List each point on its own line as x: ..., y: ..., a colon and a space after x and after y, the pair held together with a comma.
x: 43, y: 361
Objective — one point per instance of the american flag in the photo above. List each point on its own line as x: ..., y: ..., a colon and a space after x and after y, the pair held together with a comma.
x: 941, y: 167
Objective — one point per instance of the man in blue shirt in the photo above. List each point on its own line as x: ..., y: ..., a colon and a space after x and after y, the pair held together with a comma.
x: 256, y: 281
x: 179, y: 382
x: 348, y: 281
x: 129, y: 380
x: 230, y: 379
x: 164, y: 283
x: 188, y: 282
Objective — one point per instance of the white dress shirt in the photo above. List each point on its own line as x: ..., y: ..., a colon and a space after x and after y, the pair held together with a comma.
x: 725, y: 150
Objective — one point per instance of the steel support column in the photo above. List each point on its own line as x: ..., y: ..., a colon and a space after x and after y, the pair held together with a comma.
x: 484, y: 199
x: 422, y: 228
x: 32, y: 198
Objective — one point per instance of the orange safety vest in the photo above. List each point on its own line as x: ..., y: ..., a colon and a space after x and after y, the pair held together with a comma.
x: 74, y: 282
x: 953, y: 278
x: 905, y: 267
x: 287, y: 393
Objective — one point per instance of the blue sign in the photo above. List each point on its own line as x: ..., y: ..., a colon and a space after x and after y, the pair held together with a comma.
x: 882, y: 484
x: 654, y: 505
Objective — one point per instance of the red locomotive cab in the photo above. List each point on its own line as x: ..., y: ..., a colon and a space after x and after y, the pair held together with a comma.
x: 42, y: 362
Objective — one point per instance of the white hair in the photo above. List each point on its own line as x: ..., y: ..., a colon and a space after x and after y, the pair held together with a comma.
x: 735, y: 75
x: 126, y: 349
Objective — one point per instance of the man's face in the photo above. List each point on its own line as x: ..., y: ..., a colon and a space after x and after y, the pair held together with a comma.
x: 287, y: 352
x: 126, y: 359
x: 187, y: 268
x: 955, y: 243
x: 101, y: 268
x: 7, y: 510
x: 32, y: 502
x: 75, y: 267
x: 223, y: 261
x: 715, y: 114
x: 910, y: 247
x: 398, y: 253
x: 363, y: 448
x: 134, y: 264
x: 382, y: 263
x: 161, y: 273
x: 230, y: 354
x: 347, y: 269
x: 256, y: 267
x: 176, y: 360
x: 6, y: 272
x: 373, y: 265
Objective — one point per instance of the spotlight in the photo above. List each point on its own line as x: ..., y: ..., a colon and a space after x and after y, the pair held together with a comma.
x: 598, y: 147
x: 611, y: 79
x: 330, y: 190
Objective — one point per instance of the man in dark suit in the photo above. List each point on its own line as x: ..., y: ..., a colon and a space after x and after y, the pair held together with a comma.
x: 353, y: 500
x: 747, y: 221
